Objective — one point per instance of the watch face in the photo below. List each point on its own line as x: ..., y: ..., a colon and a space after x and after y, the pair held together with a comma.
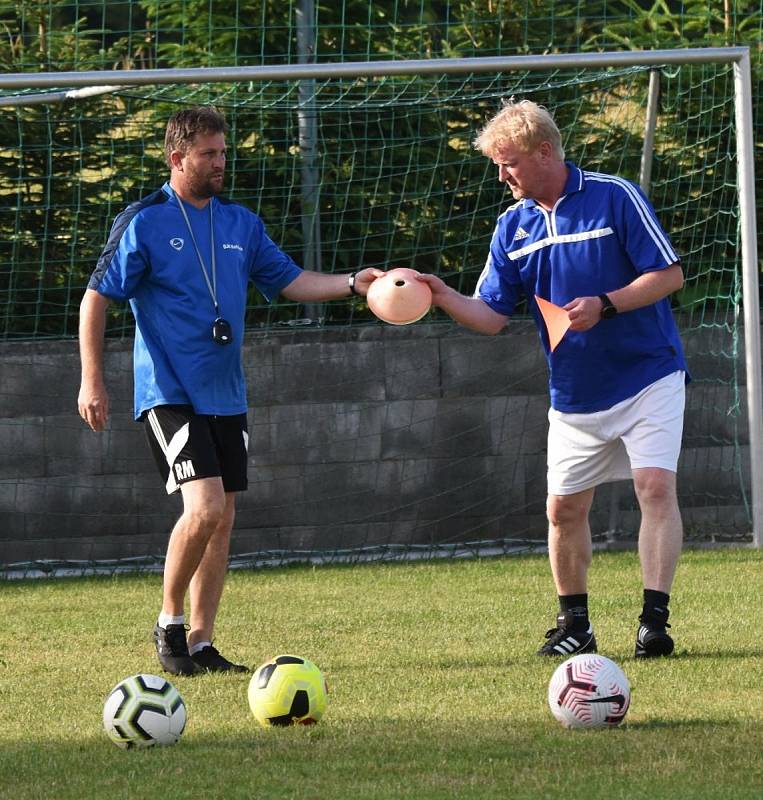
x: 608, y: 310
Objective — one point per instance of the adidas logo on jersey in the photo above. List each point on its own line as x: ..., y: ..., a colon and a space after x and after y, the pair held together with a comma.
x: 520, y: 234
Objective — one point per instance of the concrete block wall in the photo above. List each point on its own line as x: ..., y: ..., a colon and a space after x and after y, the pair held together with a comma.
x: 418, y: 435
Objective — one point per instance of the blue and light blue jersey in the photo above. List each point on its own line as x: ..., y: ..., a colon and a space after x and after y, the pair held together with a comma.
x: 600, y: 235
x: 150, y: 260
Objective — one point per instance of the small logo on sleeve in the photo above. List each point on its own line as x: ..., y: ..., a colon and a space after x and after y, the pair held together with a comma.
x: 520, y: 234
x: 177, y: 243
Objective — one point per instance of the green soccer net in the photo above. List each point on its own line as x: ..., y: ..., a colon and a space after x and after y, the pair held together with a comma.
x: 366, y: 441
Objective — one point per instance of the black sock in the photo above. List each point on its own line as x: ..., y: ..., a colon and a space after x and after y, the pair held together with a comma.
x: 656, y: 604
x: 577, y: 604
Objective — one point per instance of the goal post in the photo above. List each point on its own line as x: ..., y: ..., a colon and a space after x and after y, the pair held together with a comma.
x: 414, y: 416
x: 750, y: 279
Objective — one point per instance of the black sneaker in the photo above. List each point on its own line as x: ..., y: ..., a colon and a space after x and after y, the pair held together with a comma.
x: 209, y: 659
x: 565, y: 640
x: 652, y: 640
x: 172, y: 650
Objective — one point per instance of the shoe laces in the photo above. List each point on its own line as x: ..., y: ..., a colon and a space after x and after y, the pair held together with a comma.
x: 211, y: 654
x: 653, y: 622
x: 174, y: 636
x: 564, y: 627
x: 555, y: 635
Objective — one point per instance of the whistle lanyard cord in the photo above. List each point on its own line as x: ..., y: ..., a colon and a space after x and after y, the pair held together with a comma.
x: 211, y: 285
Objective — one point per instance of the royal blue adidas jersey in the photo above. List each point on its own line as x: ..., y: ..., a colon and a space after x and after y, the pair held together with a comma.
x: 150, y: 260
x: 600, y: 236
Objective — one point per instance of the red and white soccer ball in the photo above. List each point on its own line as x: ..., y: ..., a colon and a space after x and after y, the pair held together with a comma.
x: 589, y: 691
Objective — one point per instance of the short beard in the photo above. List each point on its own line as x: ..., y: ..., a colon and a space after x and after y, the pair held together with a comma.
x: 205, y: 187
x: 208, y: 189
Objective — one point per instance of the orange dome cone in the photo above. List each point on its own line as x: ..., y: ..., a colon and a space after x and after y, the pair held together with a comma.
x: 398, y: 298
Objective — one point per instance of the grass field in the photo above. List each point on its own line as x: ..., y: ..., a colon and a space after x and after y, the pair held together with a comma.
x: 435, y: 691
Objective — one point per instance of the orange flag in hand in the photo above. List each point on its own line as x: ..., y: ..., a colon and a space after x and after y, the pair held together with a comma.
x: 556, y: 319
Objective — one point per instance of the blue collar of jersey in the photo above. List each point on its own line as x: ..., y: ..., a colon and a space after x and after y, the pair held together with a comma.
x: 169, y: 191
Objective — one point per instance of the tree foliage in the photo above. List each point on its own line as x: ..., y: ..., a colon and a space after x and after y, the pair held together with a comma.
x: 67, y: 168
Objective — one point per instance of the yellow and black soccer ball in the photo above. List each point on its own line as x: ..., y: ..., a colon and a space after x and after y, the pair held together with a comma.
x: 288, y: 690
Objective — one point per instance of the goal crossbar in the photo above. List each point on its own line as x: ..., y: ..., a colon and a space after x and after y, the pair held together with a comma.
x: 376, y: 69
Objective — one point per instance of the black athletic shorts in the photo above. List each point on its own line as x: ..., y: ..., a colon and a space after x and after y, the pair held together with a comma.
x: 188, y: 446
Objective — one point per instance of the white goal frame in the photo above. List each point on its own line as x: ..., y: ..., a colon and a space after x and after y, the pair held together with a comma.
x: 103, y: 81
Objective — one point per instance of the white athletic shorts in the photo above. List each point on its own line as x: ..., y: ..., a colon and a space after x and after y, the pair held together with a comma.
x: 645, y: 430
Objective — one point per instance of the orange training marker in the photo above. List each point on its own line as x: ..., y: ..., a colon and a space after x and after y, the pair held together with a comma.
x: 556, y: 319
x: 398, y: 298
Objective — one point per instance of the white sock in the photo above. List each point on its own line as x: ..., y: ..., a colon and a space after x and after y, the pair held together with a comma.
x: 194, y: 648
x: 168, y: 619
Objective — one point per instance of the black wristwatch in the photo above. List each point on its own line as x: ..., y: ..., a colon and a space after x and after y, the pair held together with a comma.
x: 608, y: 309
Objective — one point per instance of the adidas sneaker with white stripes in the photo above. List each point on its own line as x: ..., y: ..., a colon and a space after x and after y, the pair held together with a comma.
x: 652, y: 640
x: 567, y: 640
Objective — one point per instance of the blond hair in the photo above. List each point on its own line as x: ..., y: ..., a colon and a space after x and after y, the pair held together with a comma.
x: 522, y: 124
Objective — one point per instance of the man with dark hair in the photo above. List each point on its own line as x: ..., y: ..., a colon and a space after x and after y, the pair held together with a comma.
x: 183, y: 257
x: 184, y: 126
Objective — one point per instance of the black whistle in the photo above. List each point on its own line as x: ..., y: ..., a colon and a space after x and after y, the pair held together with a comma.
x: 221, y: 331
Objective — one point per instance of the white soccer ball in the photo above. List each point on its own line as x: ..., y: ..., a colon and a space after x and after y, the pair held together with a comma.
x: 144, y: 710
x: 589, y: 691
